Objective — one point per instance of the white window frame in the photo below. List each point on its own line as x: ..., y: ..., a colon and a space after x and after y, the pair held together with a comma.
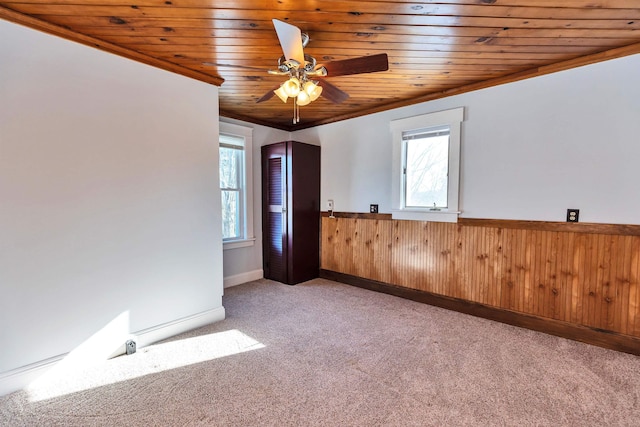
x: 245, y: 133
x: 453, y: 119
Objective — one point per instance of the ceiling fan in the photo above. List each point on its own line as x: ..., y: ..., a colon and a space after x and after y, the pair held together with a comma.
x: 302, y: 70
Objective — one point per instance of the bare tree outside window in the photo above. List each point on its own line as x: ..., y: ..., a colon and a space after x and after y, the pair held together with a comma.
x: 231, y: 163
x: 427, y: 170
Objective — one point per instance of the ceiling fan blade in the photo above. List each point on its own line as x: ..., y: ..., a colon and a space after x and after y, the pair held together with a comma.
x: 290, y: 38
x: 332, y: 93
x: 267, y: 96
x: 363, y: 64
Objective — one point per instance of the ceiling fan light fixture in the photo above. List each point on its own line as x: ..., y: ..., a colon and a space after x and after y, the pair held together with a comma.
x: 300, y: 68
x: 280, y: 92
x: 313, y: 90
x: 303, y: 98
x: 291, y: 87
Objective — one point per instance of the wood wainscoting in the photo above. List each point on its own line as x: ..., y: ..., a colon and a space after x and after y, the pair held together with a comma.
x: 578, y: 279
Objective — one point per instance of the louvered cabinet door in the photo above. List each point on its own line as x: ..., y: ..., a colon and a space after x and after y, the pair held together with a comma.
x: 274, y: 196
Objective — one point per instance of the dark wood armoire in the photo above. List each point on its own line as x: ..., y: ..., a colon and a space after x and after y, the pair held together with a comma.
x: 291, y: 211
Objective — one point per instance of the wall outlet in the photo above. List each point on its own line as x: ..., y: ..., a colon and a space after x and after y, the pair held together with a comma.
x: 572, y: 215
x: 330, y: 204
x: 130, y: 346
x: 373, y: 208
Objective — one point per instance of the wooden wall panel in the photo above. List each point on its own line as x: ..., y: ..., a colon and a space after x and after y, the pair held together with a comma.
x: 360, y: 246
x: 585, y: 278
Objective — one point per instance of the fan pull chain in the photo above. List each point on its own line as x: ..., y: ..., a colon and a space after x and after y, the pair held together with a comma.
x: 294, y: 111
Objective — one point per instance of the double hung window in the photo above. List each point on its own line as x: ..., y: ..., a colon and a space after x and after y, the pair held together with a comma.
x: 235, y: 185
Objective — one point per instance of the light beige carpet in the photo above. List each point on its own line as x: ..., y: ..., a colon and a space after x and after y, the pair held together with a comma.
x: 323, y: 353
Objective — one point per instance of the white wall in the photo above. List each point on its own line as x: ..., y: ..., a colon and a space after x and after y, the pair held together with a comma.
x: 530, y: 149
x: 244, y: 264
x: 109, y: 197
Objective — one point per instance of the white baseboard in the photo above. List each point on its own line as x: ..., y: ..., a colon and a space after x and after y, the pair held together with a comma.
x: 19, y: 378
x: 238, y: 279
x: 169, y: 329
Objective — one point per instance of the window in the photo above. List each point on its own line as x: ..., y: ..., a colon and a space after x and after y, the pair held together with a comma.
x: 426, y: 168
x: 232, y: 186
x: 236, y: 185
x: 426, y: 164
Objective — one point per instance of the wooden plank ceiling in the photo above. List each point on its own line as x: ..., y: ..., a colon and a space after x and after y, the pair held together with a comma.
x: 435, y: 48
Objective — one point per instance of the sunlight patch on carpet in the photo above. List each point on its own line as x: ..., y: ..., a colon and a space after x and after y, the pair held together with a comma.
x: 147, y: 361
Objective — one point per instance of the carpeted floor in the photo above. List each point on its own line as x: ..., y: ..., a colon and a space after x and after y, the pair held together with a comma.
x: 324, y: 353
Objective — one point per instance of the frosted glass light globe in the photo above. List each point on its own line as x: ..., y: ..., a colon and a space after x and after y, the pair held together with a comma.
x: 281, y: 94
x: 292, y: 87
x: 303, y: 99
x: 313, y: 90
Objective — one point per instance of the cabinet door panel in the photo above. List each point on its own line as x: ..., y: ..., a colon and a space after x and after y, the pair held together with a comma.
x: 275, y: 252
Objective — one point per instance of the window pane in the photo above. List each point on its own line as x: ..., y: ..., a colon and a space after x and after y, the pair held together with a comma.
x: 230, y: 214
x: 230, y: 164
x: 427, y: 171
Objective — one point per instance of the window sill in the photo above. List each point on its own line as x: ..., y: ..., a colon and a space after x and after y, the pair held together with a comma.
x: 425, y: 215
x: 235, y: 244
